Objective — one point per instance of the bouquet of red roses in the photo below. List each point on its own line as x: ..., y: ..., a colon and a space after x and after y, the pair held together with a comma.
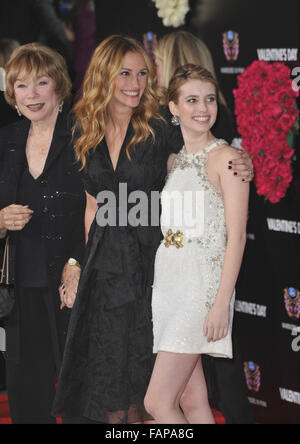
x: 265, y: 105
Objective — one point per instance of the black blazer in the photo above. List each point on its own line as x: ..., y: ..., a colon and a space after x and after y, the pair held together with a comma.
x: 63, y: 195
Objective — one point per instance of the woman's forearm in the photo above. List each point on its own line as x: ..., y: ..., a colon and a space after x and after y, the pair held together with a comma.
x: 231, y: 268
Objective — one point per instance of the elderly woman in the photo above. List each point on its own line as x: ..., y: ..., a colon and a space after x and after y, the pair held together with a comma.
x: 42, y: 204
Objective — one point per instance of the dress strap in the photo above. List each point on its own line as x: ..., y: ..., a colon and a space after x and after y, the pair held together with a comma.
x: 214, y: 144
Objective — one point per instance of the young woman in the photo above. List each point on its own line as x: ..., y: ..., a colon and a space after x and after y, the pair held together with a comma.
x: 204, y: 215
x: 172, y: 51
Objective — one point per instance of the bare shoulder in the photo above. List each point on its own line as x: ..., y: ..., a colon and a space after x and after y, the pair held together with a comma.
x: 171, y: 161
x: 226, y: 153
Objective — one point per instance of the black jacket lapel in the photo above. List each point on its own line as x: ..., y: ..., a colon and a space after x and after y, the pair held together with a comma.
x: 16, y: 148
x: 60, y: 138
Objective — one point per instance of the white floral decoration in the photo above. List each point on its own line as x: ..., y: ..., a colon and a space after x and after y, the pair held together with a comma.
x: 172, y: 12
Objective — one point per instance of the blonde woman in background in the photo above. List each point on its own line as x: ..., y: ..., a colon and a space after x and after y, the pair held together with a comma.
x: 177, y: 49
x: 174, y: 50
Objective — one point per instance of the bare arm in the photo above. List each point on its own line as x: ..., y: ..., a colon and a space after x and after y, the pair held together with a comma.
x: 236, y: 196
x: 90, y: 213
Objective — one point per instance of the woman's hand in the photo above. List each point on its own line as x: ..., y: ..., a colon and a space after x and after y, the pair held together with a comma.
x: 68, y: 289
x: 242, y: 167
x: 216, y: 325
x: 15, y: 217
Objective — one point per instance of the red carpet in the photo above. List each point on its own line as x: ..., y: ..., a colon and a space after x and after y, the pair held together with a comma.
x: 5, y: 416
x: 4, y: 410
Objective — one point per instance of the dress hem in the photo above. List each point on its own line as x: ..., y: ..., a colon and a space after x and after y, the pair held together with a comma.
x: 195, y: 352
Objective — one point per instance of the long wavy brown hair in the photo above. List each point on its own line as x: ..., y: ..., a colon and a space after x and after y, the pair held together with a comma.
x: 91, y: 111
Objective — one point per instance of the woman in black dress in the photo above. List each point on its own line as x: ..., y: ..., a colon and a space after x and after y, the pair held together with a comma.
x: 123, y: 144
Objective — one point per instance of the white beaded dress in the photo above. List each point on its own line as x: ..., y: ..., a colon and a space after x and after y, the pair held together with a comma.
x: 189, y: 261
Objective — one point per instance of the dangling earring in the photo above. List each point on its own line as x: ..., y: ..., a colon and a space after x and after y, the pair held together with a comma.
x: 175, y: 120
x: 18, y: 111
x: 61, y: 107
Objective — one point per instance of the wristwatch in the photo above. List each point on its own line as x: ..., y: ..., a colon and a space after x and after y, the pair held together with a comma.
x: 74, y: 263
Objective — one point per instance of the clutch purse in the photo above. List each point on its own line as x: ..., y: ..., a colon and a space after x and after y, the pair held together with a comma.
x: 7, y: 297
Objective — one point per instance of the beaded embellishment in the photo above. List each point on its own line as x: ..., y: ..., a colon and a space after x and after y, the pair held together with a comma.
x: 214, y: 240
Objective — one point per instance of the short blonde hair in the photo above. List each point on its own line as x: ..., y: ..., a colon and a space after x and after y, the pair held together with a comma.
x: 180, y: 48
x: 37, y: 60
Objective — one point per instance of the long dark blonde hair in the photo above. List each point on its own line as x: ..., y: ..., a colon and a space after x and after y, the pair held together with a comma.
x: 91, y: 111
x: 179, y: 48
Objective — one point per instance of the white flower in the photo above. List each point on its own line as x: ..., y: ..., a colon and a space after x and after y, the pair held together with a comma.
x: 172, y: 12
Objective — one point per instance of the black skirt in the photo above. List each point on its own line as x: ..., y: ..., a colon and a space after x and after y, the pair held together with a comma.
x: 108, y: 359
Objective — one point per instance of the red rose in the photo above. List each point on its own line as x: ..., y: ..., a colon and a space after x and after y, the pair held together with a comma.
x: 277, y: 110
x: 265, y: 110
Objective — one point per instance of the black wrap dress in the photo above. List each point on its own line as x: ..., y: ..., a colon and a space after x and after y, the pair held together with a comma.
x: 108, y: 357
